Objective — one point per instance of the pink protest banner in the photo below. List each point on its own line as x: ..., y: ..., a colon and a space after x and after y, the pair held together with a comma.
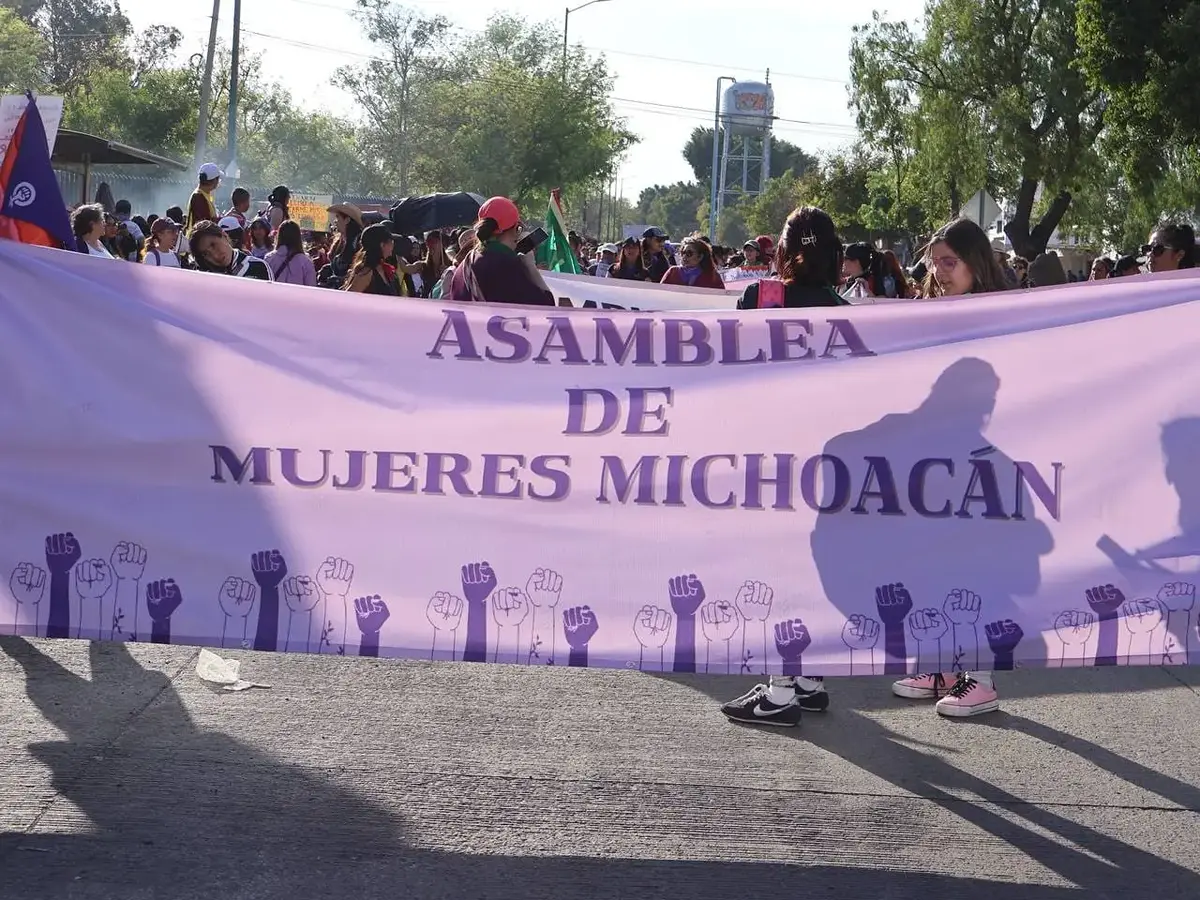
x: 990, y: 482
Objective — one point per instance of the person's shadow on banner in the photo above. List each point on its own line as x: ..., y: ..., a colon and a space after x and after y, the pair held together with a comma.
x: 1162, y: 577
x: 930, y: 532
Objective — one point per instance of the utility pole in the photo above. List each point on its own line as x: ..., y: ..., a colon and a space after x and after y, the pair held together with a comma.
x: 566, y: 28
x: 206, y: 88
x: 234, y: 76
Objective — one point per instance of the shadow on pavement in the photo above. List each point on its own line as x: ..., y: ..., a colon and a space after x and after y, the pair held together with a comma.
x: 201, y: 815
x: 1122, y: 870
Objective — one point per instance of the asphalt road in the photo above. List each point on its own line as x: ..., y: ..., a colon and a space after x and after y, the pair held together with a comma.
x: 124, y: 776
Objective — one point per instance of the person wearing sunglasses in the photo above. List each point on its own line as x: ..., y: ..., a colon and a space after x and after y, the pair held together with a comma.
x: 698, y: 269
x: 1172, y: 246
x: 961, y: 261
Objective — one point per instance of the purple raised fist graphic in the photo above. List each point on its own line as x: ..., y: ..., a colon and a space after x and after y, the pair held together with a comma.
x: 370, y: 613
x: 162, y: 599
x: 579, y: 626
x: 894, y: 603
x: 1178, y: 597
x: 860, y: 633
x: 791, y: 640
x: 510, y: 606
x: 444, y: 611
x: 544, y: 588
x: 62, y: 552
x: 928, y: 625
x: 963, y: 607
x: 1105, y: 600
x: 719, y: 620
x: 269, y: 568
x: 754, y: 600
x: 236, y: 597
x: 1003, y: 637
x: 300, y: 594
x: 1142, y: 616
x: 128, y: 561
x: 652, y: 627
x: 1074, y: 627
x: 478, y: 582
x: 687, y: 593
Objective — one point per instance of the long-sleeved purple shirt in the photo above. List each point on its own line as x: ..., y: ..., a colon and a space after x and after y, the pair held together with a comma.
x: 299, y: 270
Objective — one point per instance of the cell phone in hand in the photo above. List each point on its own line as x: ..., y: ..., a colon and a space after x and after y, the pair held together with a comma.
x: 532, y: 241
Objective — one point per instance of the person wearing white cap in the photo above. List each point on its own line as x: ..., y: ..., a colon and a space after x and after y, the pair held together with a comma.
x: 201, y: 206
x: 608, y: 255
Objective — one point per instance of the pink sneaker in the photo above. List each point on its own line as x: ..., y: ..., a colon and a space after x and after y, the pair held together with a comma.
x: 921, y: 687
x: 969, y: 697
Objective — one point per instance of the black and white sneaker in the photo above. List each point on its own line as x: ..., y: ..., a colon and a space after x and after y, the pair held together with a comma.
x: 811, y: 695
x: 754, y: 708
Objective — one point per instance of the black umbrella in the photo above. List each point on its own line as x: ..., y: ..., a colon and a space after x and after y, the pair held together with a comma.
x: 417, y: 215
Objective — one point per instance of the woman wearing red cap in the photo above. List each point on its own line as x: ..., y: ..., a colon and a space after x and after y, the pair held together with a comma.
x: 493, y: 272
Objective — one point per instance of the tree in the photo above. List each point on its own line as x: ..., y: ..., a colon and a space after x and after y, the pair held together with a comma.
x: 785, y: 156
x: 82, y: 37
x: 22, y: 52
x: 1142, y: 55
x: 839, y: 186
x: 1002, y: 76
x: 488, y: 112
x: 674, y: 208
x: 396, y: 90
x: 766, y: 213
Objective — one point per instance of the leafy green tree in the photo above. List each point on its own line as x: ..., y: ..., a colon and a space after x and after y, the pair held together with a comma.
x: 766, y: 213
x: 22, y: 54
x: 1142, y: 55
x: 489, y: 112
x: 674, y: 208
x: 1000, y: 77
x: 82, y: 37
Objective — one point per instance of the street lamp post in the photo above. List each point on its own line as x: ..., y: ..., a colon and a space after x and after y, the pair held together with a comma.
x: 712, y: 203
x: 566, y: 28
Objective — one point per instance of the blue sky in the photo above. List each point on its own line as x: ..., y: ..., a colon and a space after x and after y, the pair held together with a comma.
x: 667, y: 58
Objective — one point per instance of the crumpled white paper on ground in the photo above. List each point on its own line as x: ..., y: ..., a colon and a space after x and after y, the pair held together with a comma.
x: 225, y: 672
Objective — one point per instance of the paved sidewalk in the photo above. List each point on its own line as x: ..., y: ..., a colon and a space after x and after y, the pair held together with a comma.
x: 123, y: 776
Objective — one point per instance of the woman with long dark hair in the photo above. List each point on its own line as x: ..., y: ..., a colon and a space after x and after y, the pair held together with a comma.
x: 1172, y: 246
x: 699, y: 268
x: 629, y: 265
x: 862, y: 268
x: 348, y: 222
x: 370, y: 274
x: 808, y: 265
x: 655, y: 256
x: 895, y: 284
x: 435, y: 263
x: 288, y: 261
x: 961, y: 261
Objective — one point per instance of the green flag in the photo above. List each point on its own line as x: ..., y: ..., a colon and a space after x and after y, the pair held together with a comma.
x: 554, y: 253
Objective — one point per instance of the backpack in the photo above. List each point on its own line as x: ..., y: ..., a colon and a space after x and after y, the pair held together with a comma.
x: 770, y: 294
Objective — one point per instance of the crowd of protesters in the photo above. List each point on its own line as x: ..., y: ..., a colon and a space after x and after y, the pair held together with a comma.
x: 809, y: 265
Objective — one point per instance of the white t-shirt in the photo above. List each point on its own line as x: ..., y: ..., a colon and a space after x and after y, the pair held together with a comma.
x: 168, y: 258
x: 99, y: 250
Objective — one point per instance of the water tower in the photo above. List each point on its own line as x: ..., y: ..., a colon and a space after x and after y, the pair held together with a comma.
x: 747, y: 111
